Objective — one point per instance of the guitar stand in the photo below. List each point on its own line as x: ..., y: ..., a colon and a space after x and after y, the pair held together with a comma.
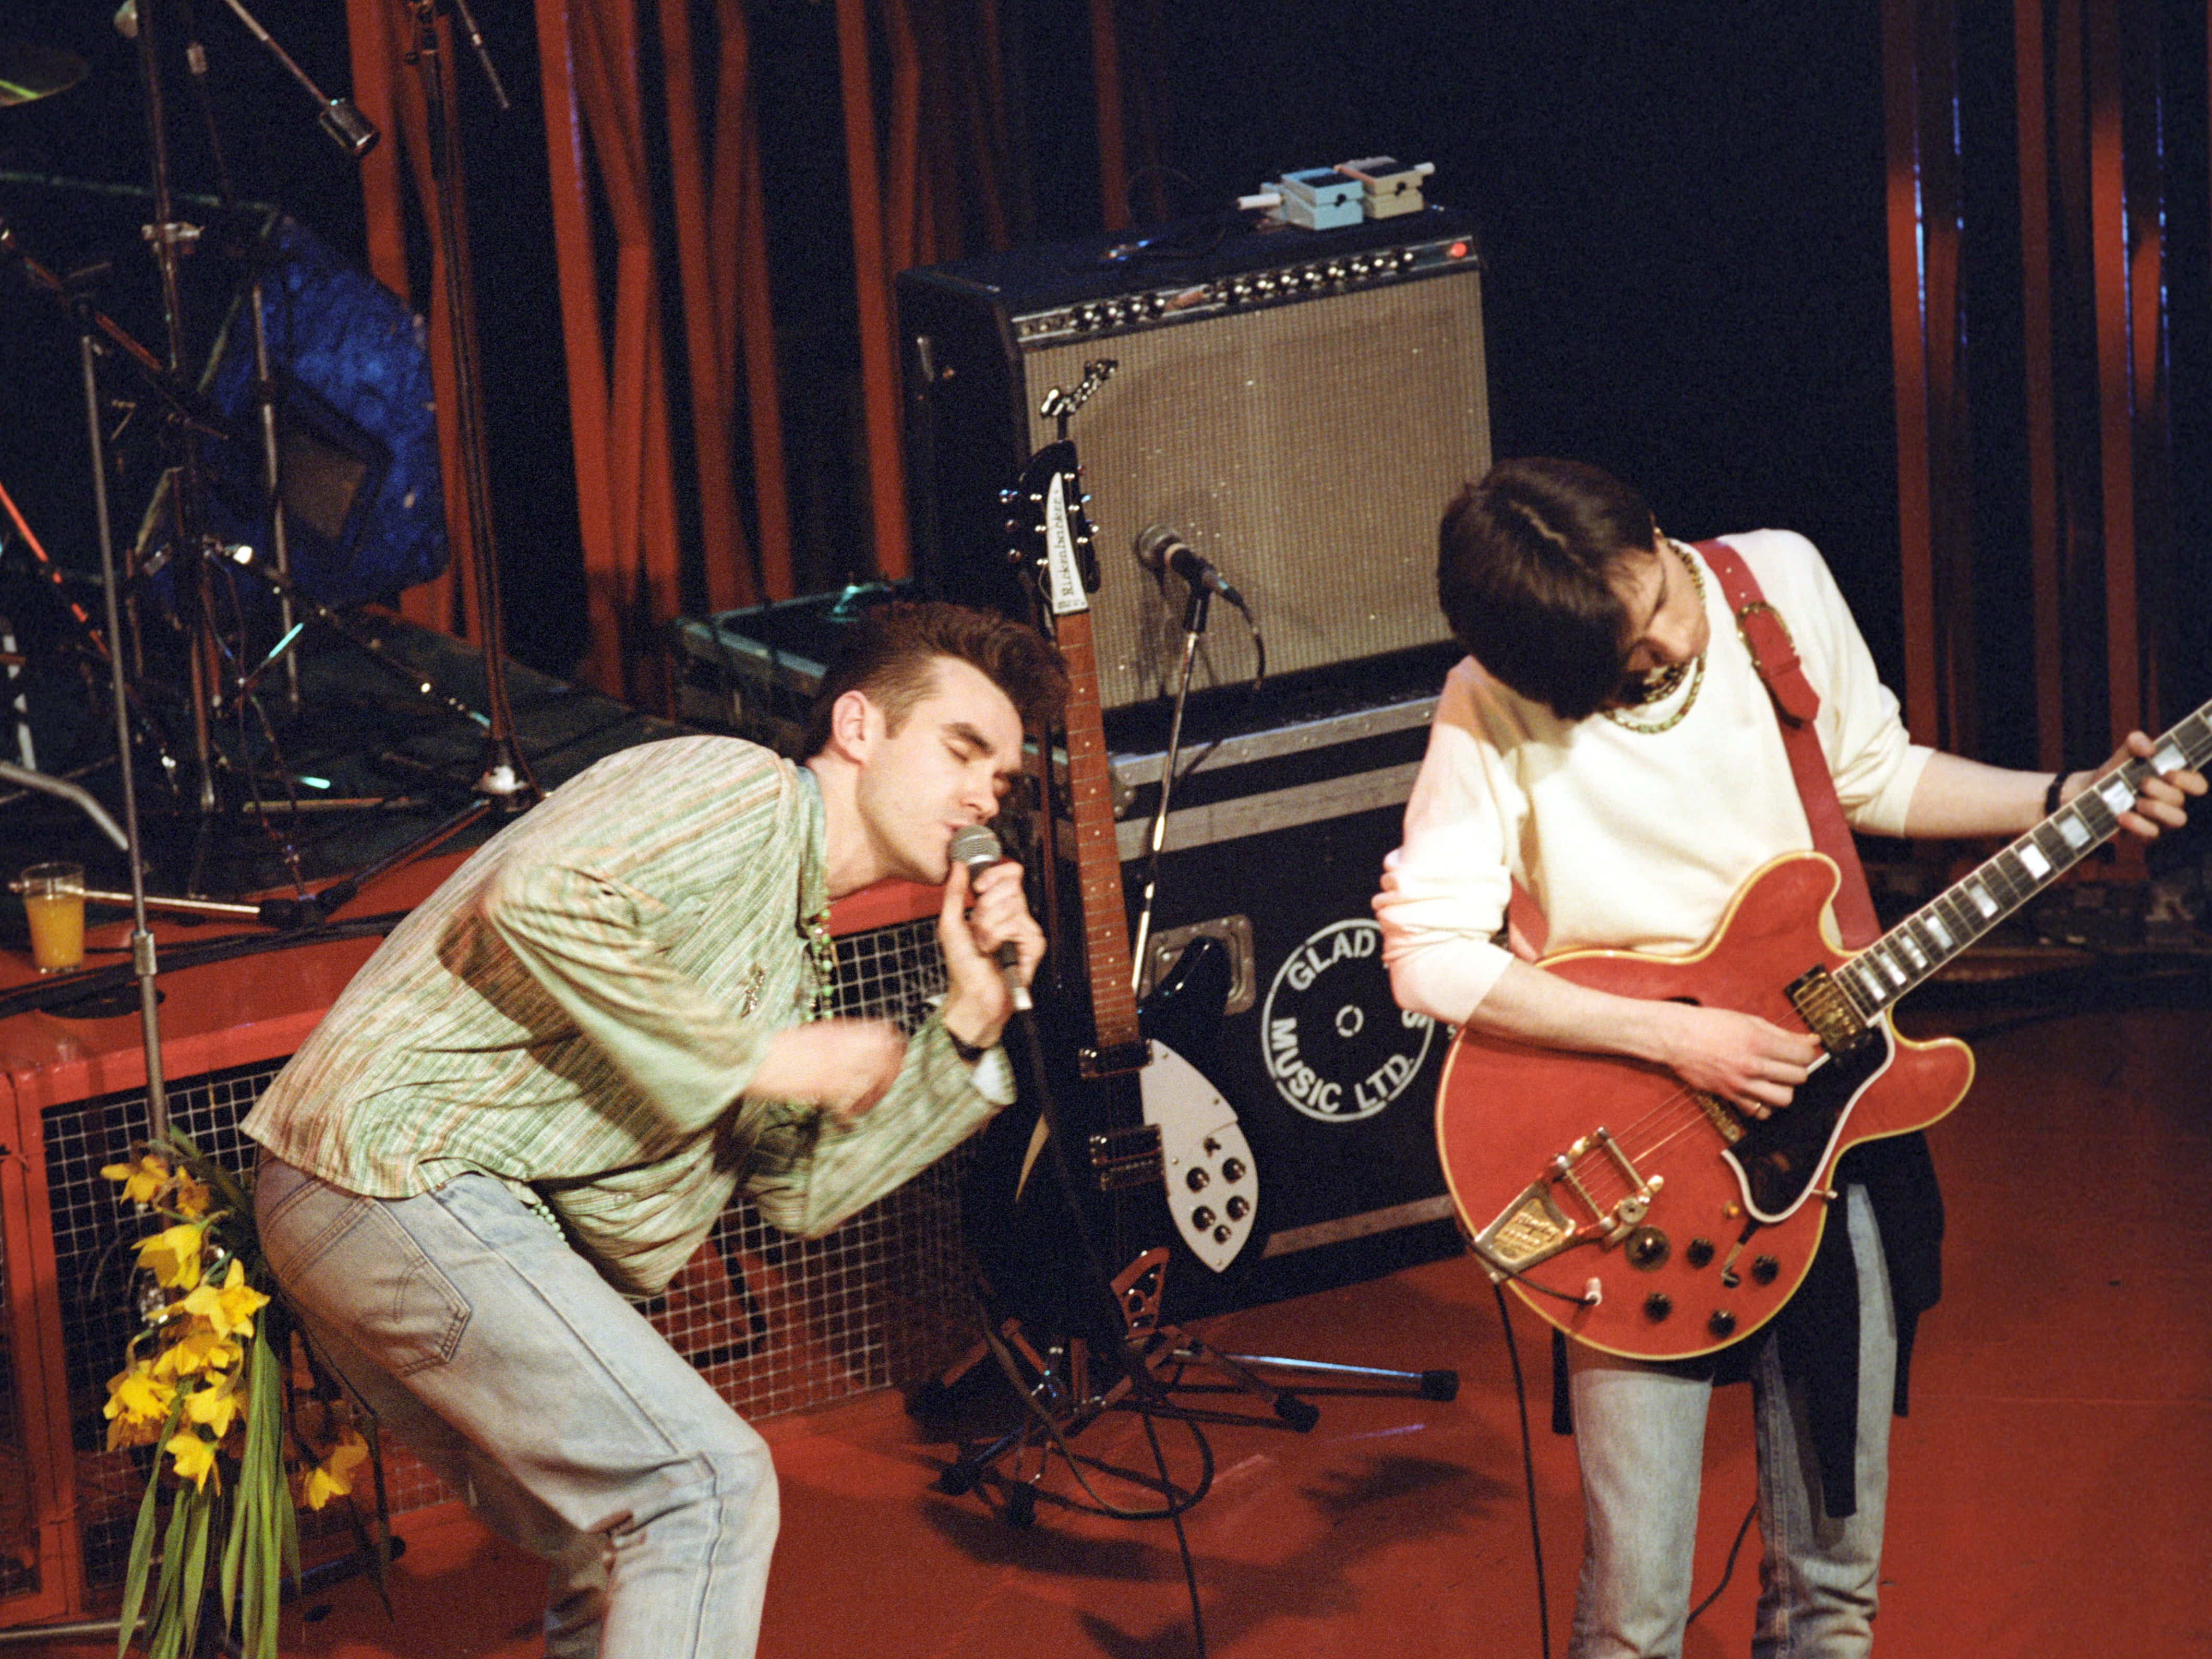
x: 1060, y: 1393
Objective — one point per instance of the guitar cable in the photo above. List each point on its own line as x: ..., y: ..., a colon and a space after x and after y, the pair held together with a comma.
x: 1144, y: 1388
x: 1528, y: 1480
x: 1527, y: 1471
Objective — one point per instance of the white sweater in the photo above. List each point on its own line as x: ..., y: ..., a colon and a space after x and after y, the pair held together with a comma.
x: 1633, y: 840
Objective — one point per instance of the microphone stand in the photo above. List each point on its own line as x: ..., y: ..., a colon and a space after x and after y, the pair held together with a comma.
x: 1194, y: 627
x: 506, y: 780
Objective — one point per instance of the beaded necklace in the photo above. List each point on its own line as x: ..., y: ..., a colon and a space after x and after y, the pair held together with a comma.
x: 1662, y: 684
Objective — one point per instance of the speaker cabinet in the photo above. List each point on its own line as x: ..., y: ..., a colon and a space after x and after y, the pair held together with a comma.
x: 1299, y: 406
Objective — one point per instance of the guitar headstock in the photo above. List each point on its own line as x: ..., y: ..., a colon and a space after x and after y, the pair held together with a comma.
x: 1047, y: 528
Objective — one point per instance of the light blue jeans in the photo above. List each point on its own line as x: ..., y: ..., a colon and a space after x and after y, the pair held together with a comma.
x: 1639, y: 1432
x: 514, y: 1371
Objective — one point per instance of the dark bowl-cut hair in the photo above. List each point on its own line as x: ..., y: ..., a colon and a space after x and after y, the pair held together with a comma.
x: 892, y: 655
x: 1526, y: 562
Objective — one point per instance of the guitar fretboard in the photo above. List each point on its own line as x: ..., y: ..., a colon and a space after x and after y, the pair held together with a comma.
x: 1097, y: 853
x: 1932, y: 935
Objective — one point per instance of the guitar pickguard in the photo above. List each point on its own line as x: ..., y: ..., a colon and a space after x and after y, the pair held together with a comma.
x: 1780, y: 1158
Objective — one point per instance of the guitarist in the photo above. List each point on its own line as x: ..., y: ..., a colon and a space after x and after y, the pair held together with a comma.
x: 1610, y: 748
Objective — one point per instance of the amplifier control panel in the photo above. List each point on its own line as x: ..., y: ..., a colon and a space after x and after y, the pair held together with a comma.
x: 1316, y: 279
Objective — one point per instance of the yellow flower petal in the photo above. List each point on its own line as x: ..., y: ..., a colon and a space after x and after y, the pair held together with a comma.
x: 198, y: 1352
x: 191, y: 1197
x: 172, y: 1256
x: 215, y: 1404
x: 139, y: 1395
x: 193, y: 1458
x: 228, y: 1308
x: 142, y: 1181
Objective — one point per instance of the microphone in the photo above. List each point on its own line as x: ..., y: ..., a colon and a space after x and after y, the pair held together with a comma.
x: 975, y: 846
x: 1159, y: 548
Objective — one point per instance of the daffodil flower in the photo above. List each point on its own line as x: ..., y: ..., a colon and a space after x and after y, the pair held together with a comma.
x: 193, y: 1458
x: 198, y: 1352
x: 172, y: 1256
x: 213, y: 1404
x: 137, y: 1405
x: 228, y: 1308
x: 190, y: 1200
x: 333, y: 1476
x: 141, y: 1182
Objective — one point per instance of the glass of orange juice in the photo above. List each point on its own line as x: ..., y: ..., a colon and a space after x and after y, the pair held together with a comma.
x: 53, y: 898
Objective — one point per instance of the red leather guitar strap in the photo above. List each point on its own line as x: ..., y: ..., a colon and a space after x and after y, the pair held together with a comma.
x: 1774, y: 655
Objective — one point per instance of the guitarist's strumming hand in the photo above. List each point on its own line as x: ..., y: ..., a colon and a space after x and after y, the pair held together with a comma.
x: 1749, y: 1062
x: 980, y: 913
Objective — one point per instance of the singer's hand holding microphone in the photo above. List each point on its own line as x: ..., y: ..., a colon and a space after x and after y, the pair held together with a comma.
x: 991, y: 944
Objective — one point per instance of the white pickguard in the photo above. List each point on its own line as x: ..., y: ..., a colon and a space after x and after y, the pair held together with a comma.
x: 1212, y: 1192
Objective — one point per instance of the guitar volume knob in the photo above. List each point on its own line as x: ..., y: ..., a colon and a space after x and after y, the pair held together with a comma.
x: 1202, y: 1216
x: 1238, y: 1208
x: 1722, y: 1323
x: 1196, y: 1178
x: 1232, y: 1170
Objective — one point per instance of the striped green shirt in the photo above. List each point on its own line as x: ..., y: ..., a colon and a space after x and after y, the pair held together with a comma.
x: 580, y: 1005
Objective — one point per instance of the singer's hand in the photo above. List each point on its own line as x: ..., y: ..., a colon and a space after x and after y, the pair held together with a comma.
x: 976, y: 918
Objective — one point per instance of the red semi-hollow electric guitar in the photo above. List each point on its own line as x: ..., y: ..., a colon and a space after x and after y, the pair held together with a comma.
x: 1653, y: 1220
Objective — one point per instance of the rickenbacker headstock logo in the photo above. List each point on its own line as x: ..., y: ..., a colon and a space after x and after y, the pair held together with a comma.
x: 1337, y: 1047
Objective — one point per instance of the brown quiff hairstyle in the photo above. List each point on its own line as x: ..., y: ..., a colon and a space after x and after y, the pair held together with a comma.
x: 1526, y: 563
x: 892, y: 651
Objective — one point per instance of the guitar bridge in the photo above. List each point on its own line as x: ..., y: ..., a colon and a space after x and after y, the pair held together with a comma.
x: 1126, y: 1157
x: 1536, y: 1226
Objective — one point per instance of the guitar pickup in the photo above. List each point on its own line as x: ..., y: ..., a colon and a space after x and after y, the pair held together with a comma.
x: 1126, y: 1157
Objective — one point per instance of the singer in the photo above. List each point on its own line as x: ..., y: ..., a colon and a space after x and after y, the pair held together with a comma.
x: 538, y: 1096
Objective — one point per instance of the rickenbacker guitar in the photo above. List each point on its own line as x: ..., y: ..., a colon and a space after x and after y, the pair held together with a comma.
x: 1157, y: 1134
x: 1653, y: 1220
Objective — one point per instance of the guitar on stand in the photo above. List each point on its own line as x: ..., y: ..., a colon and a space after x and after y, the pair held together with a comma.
x: 1658, y: 1222
x: 1147, y: 1148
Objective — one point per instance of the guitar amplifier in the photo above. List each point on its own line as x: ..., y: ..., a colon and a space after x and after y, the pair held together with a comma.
x: 1297, y: 405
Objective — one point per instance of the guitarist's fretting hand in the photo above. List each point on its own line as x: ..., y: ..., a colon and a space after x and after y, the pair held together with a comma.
x: 976, y: 919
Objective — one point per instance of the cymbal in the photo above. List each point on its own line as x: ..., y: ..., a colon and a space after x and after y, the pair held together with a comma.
x: 28, y: 71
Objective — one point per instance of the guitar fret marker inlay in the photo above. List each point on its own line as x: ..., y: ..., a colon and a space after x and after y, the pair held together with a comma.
x: 2115, y: 794
x: 1980, y: 895
x: 2038, y: 865
x: 2075, y: 831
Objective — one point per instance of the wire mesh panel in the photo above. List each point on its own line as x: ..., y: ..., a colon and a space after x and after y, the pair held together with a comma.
x: 776, y: 1323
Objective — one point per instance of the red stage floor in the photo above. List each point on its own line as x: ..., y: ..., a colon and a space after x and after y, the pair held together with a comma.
x: 2047, y: 1488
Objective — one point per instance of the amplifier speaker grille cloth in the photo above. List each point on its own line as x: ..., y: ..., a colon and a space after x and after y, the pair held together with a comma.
x: 1308, y: 450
